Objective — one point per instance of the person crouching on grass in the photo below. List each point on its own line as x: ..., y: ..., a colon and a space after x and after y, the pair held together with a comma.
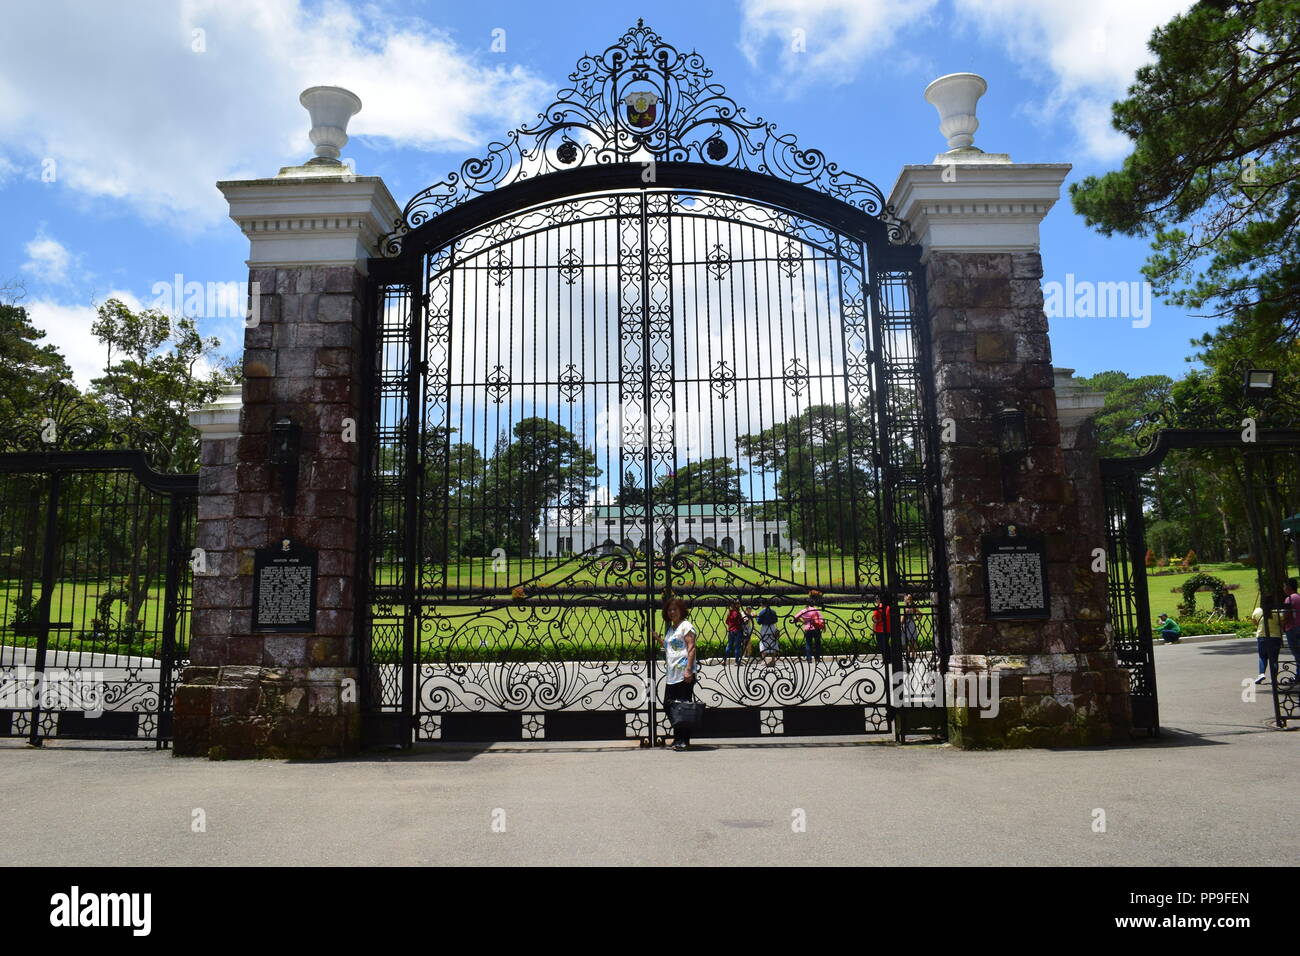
x: 680, y: 661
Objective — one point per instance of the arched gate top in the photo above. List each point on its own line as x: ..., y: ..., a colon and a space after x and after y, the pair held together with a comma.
x: 641, y: 100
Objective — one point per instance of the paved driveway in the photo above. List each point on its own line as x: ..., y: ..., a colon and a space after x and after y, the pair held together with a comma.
x: 1218, y: 788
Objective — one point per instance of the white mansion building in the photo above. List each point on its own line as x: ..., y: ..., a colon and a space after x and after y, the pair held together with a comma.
x: 721, y: 527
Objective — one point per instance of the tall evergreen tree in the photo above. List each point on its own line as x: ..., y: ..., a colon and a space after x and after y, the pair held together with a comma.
x: 27, y: 367
x: 1214, y: 176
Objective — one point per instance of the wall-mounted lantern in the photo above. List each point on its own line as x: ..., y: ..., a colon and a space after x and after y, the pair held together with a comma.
x: 286, y: 436
x: 1013, y: 445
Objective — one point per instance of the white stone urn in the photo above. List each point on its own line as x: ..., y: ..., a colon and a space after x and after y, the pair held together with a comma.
x: 955, y: 96
x: 330, y: 108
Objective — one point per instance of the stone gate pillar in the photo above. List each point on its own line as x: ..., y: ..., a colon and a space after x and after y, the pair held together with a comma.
x: 976, y: 216
x: 254, y: 692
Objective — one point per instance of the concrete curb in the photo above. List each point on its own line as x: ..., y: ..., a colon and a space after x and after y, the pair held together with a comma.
x: 1201, y: 639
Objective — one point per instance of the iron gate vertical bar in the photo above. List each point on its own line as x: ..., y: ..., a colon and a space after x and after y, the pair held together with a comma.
x: 889, y: 535
x: 31, y: 533
x: 415, y: 374
x: 849, y: 435
x: 445, y: 386
x: 1259, y: 544
x: 1274, y: 673
x: 647, y: 465
x: 175, y: 555
x: 47, y: 596
x: 1136, y: 534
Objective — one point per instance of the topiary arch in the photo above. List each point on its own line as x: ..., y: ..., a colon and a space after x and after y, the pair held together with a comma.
x: 1195, y: 583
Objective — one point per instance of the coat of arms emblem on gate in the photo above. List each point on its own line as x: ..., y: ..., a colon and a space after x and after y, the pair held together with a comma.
x: 642, y: 108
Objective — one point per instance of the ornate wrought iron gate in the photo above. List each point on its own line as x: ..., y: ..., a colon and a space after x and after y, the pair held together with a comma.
x: 1130, y: 609
x: 1126, y: 580
x: 94, y: 594
x: 665, y: 370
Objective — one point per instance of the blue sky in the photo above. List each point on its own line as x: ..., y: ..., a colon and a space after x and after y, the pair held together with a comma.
x: 154, y: 101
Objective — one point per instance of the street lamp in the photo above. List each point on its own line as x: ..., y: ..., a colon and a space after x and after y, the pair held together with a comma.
x: 1260, y: 382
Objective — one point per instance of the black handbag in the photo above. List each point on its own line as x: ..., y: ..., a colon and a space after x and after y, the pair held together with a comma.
x: 685, y: 715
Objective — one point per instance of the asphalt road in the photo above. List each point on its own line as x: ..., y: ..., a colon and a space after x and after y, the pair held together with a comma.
x: 1218, y: 788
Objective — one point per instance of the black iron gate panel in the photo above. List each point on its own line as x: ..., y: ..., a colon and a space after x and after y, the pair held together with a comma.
x: 94, y: 594
x: 649, y: 346
x: 1126, y: 582
x: 583, y: 407
x: 1130, y: 609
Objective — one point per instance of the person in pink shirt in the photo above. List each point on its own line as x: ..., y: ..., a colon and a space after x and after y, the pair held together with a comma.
x: 812, y: 622
x: 1291, y: 622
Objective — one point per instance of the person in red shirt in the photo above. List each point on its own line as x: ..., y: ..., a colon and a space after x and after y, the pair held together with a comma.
x: 735, y: 633
x: 882, y: 621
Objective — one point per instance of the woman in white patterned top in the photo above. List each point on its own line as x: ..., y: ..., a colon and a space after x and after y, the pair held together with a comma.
x: 680, y: 661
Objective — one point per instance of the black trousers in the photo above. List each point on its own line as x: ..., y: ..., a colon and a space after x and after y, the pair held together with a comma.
x: 682, y: 690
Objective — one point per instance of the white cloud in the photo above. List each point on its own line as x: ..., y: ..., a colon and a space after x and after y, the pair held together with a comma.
x: 67, y: 328
x: 1087, y: 53
x: 48, y: 259
x: 836, y: 35
x: 120, y: 98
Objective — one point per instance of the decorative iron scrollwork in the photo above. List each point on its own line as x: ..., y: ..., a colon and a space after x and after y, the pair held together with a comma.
x: 723, y: 379
x: 719, y: 262
x: 643, y: 99
x: 570, y: 266
x: 498, y: 385
x: 796, y: 377
x: 499, y: 267
x: 70, y: 422
x: 571, y: 383
x: 790, y: 259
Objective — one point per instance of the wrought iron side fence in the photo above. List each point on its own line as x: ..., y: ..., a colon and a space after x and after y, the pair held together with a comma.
x: 95, y: 594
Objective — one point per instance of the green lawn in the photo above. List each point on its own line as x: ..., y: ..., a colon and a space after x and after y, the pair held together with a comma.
x: 530, y: 629
x: 824, y: 571
x: 75, y: 603
x: 1165, y: 591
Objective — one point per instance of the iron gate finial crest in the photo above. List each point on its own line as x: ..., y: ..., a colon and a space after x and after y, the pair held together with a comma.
x: 642, y: 99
